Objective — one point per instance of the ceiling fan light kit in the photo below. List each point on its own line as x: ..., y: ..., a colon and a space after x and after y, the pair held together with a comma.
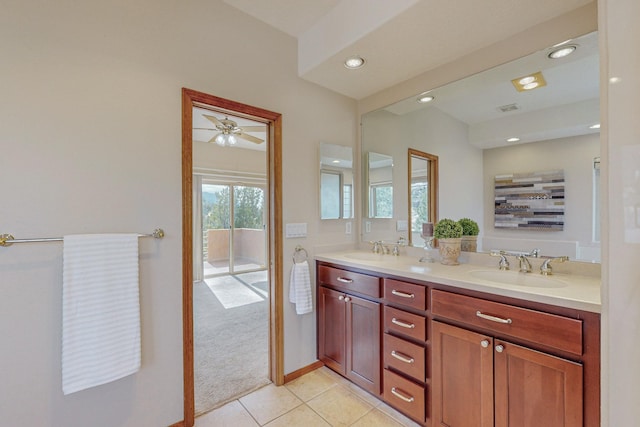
x: 230, y: 132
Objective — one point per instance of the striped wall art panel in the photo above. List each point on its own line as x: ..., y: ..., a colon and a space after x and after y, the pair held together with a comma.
x: 530, y: 201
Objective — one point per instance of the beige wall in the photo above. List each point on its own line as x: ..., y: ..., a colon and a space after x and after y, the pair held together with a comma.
x: 90, y: 130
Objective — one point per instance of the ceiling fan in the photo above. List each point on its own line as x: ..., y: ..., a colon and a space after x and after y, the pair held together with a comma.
x: 229, y: 131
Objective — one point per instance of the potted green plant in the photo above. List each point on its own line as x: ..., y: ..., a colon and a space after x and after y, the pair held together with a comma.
x: 449, y: 235
x: 470, y: 232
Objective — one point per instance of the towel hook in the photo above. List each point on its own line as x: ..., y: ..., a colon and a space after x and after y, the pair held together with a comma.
x: 299, y: 250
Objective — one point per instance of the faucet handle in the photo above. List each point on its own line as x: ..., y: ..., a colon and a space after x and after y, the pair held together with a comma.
x: 503, y: 264
x: 545, y: 268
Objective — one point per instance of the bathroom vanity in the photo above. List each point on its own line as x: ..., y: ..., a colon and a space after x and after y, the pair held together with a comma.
x: 465, y: 345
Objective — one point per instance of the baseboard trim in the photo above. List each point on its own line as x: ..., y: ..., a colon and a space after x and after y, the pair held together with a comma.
x: 304, y: 370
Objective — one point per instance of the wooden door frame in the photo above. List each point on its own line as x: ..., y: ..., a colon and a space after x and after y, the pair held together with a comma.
x: 274, y: 208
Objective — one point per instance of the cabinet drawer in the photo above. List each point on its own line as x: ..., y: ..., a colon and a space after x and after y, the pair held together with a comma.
x: 551, y: 330
x: 405, y: 395
x: 405, y: 357
x: 349, y: 281
x: 404, y: 323
x: 408, y: 294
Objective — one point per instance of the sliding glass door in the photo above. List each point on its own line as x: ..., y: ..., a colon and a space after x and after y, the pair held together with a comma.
x: 233, y: 228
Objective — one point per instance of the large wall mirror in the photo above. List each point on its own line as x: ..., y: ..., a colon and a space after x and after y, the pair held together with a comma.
x: 336, y: 181
x: 483, y: 126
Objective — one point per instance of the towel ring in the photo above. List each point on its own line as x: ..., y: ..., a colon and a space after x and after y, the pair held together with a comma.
x: 299, y: 251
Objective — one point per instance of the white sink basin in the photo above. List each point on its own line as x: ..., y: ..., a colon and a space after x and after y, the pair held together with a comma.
x: 365, y: 256
x: 533, y: 280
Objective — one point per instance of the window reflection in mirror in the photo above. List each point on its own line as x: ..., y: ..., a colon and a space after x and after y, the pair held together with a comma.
x: 336, y: 181
x: 380, y: 184
x: 423, y: 193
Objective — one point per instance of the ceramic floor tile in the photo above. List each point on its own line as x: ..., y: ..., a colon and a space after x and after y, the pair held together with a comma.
x: 312, y: 384
x: 396, y: 415
x: 362, y: 394
x: 339, y: 406
x: 300, y: 416
x: 269, y: 403
x: 233, y: 414
x: 376, y: 418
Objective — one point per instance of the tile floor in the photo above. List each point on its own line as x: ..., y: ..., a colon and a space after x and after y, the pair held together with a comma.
x: 319, y: 398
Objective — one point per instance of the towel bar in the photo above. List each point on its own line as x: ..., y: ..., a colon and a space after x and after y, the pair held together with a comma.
x: 8, y: 239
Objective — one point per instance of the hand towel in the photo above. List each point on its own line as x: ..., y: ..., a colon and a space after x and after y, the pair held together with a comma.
x: 100, y: 310
x: 300, y: 287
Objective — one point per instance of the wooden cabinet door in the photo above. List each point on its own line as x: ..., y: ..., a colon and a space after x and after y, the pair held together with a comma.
x: 462, y: 381
x: 536, y: 389
x: 332, y: 323
x: 363, y: 343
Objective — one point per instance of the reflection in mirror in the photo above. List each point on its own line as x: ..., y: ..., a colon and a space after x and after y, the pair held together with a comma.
x: 380, y: 185
x: 483, y: 126
x: 336, y: 181
x: 423, y: 193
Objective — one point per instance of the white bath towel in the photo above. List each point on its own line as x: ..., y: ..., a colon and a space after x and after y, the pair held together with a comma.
x: 300, y: 287
x: 100, y: 310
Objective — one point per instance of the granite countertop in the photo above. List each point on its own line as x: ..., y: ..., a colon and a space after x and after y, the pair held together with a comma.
x: 573, y: 289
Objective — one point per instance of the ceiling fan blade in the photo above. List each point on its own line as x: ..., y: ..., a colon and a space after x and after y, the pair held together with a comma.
x: 254, y: 128
x: 204, y: 129
x: 249, y: 138
x: 213, y: 120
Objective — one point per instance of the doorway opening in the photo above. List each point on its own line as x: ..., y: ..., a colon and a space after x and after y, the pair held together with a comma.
x: 232, y: 252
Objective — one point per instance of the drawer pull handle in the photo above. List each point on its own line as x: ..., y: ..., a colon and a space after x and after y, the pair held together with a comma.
x: 399, y: 395
x: 402, y: 357
x: 402, y: 294
x: 493, y: 318
x: 343, y: 280
x: 403, y: 324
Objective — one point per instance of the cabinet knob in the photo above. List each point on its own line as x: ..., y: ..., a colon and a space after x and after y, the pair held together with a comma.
x: 347, y: 299
x: 484, y: 343
x: 341, y: 297
x: 499, y: 348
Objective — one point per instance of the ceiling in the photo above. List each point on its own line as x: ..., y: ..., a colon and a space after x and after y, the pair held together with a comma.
x: 399, y: 39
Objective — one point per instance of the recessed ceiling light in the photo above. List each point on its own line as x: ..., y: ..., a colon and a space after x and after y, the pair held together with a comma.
x: 513, y: 139
x: 526, y: 80
x: 561, y: 52
x: 596, y: 126
x: 614, y: 80
x: 529, y: 82
x: 336, y: 161
x: 354, y: 62
x: 425, y: 97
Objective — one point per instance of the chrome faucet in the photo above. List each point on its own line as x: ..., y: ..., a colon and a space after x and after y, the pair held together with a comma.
x: 377, y: 247
x: 525, y: 265
x: 503, y: 264
x: 545, y: 268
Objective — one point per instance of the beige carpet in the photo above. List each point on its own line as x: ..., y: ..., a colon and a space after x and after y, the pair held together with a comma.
x: 231, y: 343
